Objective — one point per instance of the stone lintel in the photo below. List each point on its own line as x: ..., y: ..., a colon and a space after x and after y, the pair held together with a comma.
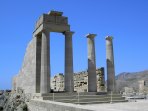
x: 55, y: 13
x: 52, y: 28
x: 56, y: 27
x: 109, y: 38
x: 91, y: 35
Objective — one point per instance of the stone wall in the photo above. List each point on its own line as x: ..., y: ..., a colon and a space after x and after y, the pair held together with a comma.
x: 80, y: 81
x: 26, y: 78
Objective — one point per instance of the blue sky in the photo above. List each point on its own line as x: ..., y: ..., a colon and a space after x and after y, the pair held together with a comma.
x: 125, y: 20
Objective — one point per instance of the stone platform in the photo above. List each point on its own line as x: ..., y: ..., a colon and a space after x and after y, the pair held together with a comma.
x: 81, y: 98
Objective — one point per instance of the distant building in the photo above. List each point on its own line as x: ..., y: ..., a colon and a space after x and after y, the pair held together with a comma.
x: 128, y: 91
x: 143, y: 86
x: 57, y: 82
x: 80, y: 81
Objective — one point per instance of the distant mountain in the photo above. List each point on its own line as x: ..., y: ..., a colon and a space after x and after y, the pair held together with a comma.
x: 127, y: 79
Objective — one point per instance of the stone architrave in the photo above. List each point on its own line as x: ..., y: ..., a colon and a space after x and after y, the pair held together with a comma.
x: 69, y: 83
x: 92, y: 79
x: 110, y: 65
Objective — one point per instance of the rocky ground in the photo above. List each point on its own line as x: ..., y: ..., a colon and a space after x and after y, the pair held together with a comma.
x: 13, y: 101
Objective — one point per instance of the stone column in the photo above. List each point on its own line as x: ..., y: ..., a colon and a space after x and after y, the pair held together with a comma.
x: 110, y: 64
x: 45, y: 66
x: 92, y: 80
x: 69, y: 83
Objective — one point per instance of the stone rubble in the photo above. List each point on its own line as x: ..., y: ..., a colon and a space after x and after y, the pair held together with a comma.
x: 13, y: 101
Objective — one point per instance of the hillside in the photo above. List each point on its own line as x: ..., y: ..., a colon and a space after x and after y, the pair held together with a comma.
x: 127, y: 79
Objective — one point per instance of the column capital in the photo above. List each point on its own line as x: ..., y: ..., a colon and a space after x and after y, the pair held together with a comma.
x: 91, y: 35
x: 40, y: 33
x: 109, y: 38
x: 68, y: 33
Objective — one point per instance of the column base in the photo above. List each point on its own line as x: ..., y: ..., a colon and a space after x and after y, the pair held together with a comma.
x: 40, y: 95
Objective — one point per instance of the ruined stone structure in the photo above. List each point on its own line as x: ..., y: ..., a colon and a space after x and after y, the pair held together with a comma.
x: 128, y: 91
x: 143, y: 86
x: 100, y: 80
x: 34, y: 76
x: 57, y: 82
x: 80, y: 81
x: 110, y: 65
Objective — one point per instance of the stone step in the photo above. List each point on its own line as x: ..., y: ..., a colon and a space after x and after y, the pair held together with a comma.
x: 84, y: 98
x: 59, y: 96
x: 89, y: 99
x: 92, y: 101
x: 80, y: 97
x: 74, y: 93
x: 100, y: 102
x: 71, y: 93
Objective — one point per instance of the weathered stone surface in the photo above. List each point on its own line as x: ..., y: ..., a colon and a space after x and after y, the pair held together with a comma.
x: 13, y: 101
x: 92, y: 77
x: 111, y: 85
x: 100, y: 80
x: 80, y: 81
x: 45, y: 68
x: 53, y: 17
x: 69, y: 83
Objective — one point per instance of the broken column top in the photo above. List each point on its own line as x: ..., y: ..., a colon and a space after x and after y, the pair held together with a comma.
x: 55, y: 13
x: 109, y: 38
x: 91, y: 35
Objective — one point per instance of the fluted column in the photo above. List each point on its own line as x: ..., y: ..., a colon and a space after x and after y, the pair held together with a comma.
x: 92, y: 80
x: 110, y: 64
x: 45, y: 66
x: 69, y: 83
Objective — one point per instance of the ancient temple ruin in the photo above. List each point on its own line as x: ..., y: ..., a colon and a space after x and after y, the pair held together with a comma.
x: 34, y: 76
